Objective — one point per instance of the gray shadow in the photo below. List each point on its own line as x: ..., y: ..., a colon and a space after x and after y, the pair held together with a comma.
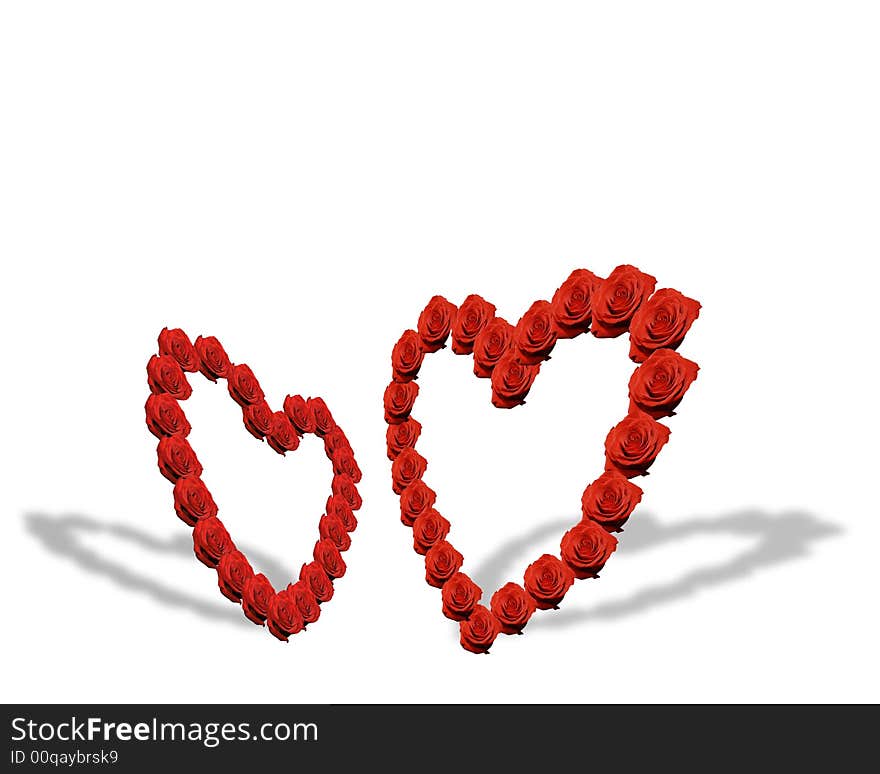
x: 778, y: 538
x: 61, y: 535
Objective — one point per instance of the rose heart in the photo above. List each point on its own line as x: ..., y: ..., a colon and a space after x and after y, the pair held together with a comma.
x: 288, y: 611
x: 511, y: 356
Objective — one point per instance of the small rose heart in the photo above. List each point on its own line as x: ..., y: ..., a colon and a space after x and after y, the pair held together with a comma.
x: 288, y: 611
x: 511, y: 357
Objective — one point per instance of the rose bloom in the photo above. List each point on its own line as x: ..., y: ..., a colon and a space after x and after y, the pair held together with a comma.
x: 474, y: 314
x: 233, y: 571
x: 407, y: 356
x: 511, y: 381
x: 164, y: 375
x: 283, y: 616
x: 282, y: 436
x: 214, y: 363
x: 258, y: 419
x: 513, y: 607
x: 535, y: 333
x: 435, y: 322
x: 428, y: 530
x: 478, y: 632
x: 243, y: 385
x: 402, y: 436
x: 617, y: 298
x: 547, y: 580
x: 176, y: 343
x: 192, y: 500
x: 490, y: 344
x: 299, y: 412
x: 460, y: 596
x: 315, y: 577
x: 661, y: 323
x: 442, y: 561
x: 256, y: 597
x: 610, y: 500
x: 398, y: 401
x: 165, y: 416
x: 633, y: 444
x: 586, y: 547
x: 324, y: 421
x: 211, y: 541
x: 408, y: 467
x: 415, y: 500
x: 572, y: 303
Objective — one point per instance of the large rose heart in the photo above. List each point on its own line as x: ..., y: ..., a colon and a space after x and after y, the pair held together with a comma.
x: 288, y: 611
x: 511, y: 356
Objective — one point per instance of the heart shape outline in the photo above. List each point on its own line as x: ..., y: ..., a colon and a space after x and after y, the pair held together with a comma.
x: 290, y: 610
x: 511, y: 356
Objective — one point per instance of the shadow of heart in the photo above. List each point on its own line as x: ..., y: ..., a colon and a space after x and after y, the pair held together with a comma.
x: 61, y: 535
x: 778, y: 538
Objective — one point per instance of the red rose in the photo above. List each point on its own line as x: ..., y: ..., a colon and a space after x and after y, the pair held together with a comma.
x: 548, y: 580
x: 473, y: 315
x: 633, y: 444
x: 177, y: 458
x: 324, y: 421
x: 344, y: 487
x: 572, y: 303
x: 214, y: 363
x: 399, y: 399
x: 408, y: 467
x: 490, y: 344
x: 617, y: 298
x: 535, y: 333
x: 243, y: 385
x: 233, y: 571
x: 192, y: 500
x: 315, y: 577
x: 176, y: 343
x: 511, y: 381
x: 284, y: 617
x: 282, y: 437
x: 658, y: 385
x: 586, y: 547
x: 258, y: 419
x: 513, y: 607
x: 442, y: 561
x: 407, y: 356
x: 417, y: 498
x: 327, y: 555
x: 334, y: 441
x: 661, y: 323
x: 331, y: 528
x: 300, y: 414
x: 339, y: 507
x: 306, y: 602
x: 435, y: 322
x: 402, y: 436
x: 165, y: 416
x: 460, y: 596
x: 344, y: 462
x: 256, y: 597
x: 428, y: 529
x: 479, y: 631
x: 211, y: 541
x: 610, y: 500
x: 164, y: 375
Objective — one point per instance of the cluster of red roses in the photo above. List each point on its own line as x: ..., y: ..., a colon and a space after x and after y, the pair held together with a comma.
x: 511, y: 356
x: 288, y: 611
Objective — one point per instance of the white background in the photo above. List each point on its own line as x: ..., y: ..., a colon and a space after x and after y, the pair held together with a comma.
x: 298, y: 179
